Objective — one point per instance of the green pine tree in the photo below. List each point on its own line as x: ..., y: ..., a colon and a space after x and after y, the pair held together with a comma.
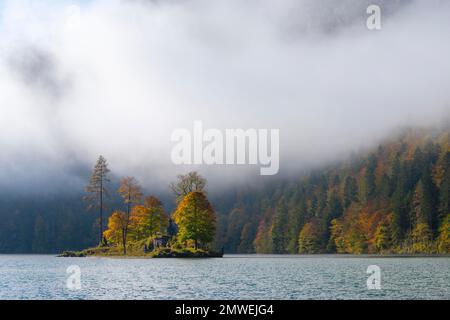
x: 444, y: 192
x: 280, y: 227
x: 350, y: 191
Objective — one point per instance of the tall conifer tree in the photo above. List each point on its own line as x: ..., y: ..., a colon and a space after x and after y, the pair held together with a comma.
x: 97, y: 191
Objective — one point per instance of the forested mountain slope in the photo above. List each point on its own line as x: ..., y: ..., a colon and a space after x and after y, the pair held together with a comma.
x: 396, y: 199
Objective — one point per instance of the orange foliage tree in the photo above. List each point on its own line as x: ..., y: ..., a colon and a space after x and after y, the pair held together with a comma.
x: 149, y: 219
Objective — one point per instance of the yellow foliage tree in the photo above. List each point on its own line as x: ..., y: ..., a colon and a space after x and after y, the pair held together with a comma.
x: 117, y: 225
x: 196, y: 219
x: 337, y: 235
x: 310, y: 238
x: 382, y: 236
x: 422, y: 238
x: 444, y: 236
x: 350, y: 232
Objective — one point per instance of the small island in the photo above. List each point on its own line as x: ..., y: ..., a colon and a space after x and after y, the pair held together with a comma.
x: 143, y: 229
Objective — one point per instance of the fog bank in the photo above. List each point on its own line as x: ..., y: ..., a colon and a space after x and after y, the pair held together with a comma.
x: 83, y: 78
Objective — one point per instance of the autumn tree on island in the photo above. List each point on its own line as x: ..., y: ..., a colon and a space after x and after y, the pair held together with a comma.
x: 149, y: 219
x: 117, y: 228
x: 97, y: 191
x: 191, y: 182
x: 194, y: 215
x: 131, y: 193
x: 196, y: 219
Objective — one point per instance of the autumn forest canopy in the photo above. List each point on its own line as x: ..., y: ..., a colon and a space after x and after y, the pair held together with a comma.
x: 396, y: 199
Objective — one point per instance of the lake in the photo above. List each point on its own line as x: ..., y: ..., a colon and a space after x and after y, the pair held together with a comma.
x: 233, y: 277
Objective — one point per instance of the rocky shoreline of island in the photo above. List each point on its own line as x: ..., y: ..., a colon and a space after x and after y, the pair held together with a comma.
x: 158, y: 253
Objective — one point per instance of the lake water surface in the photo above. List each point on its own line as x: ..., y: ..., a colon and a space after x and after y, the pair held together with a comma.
x: 233, y: 277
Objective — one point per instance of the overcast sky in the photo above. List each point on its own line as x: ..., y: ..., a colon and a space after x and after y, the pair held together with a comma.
x: 83, y: 78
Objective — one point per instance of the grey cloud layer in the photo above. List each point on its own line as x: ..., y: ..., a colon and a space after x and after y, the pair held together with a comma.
x: 121, y: 78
